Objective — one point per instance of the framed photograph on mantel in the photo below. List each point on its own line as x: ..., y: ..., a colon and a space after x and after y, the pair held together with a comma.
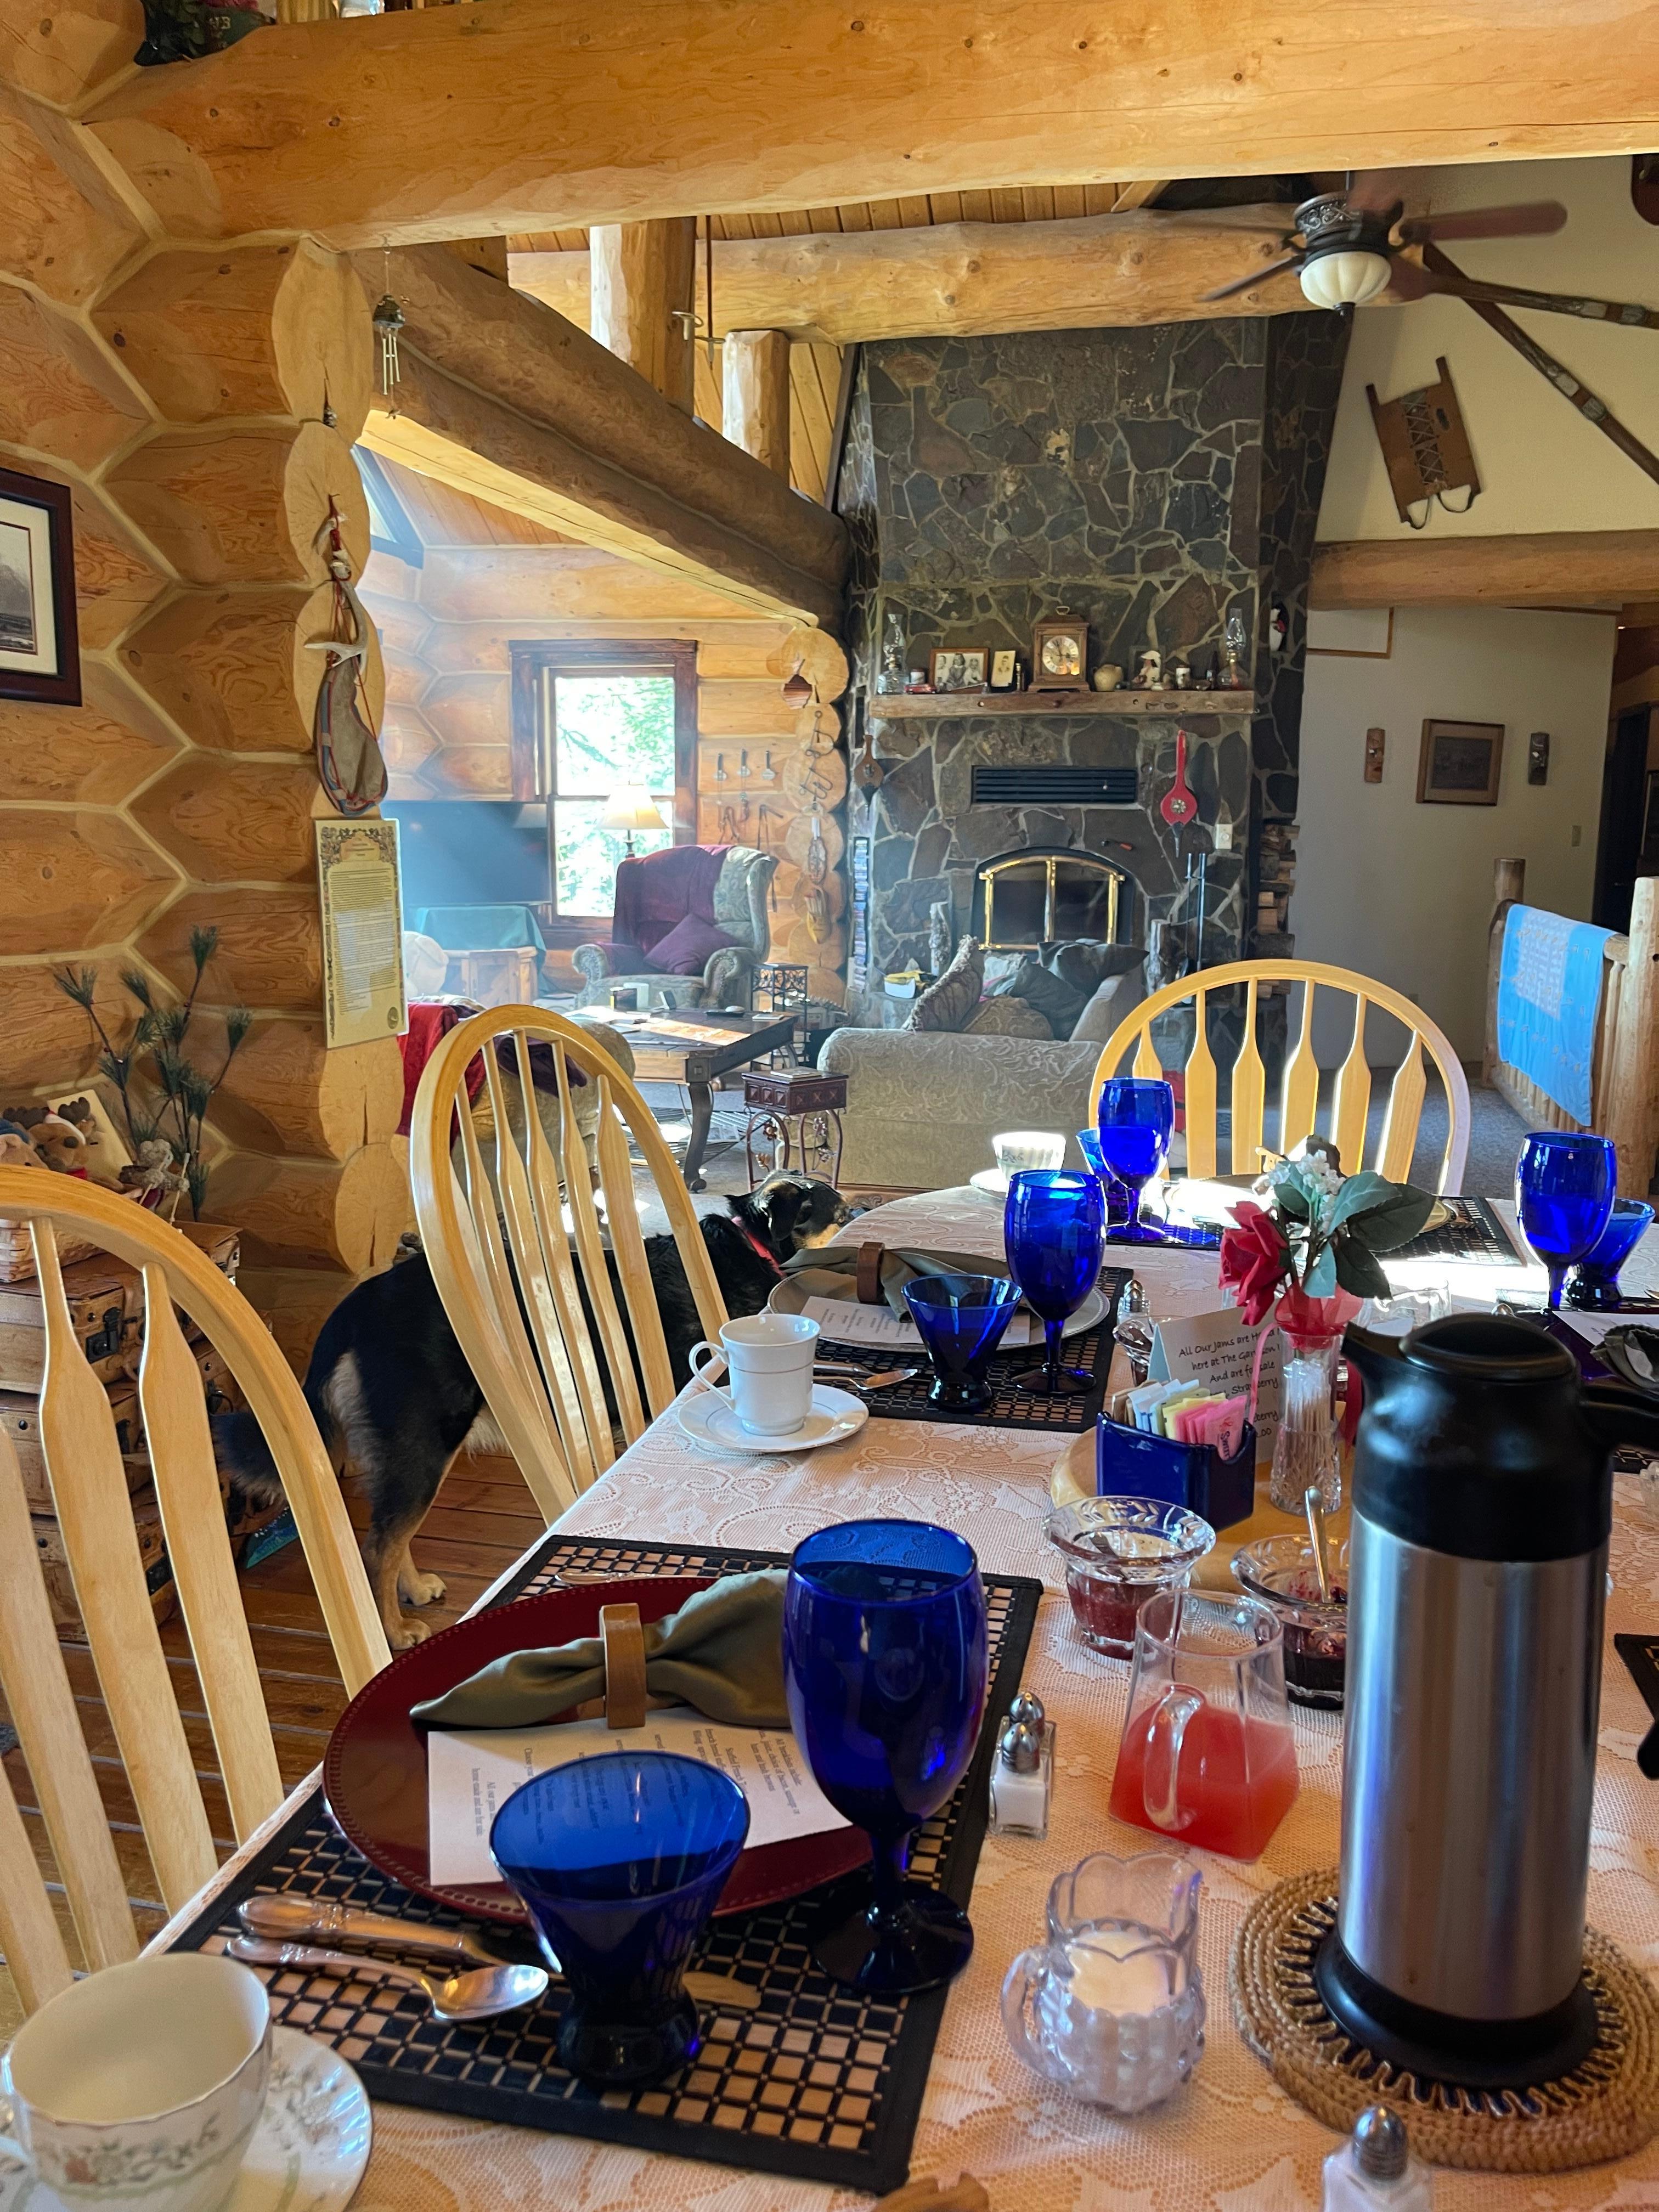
x: 39, y: 649
x: 1459, y: 763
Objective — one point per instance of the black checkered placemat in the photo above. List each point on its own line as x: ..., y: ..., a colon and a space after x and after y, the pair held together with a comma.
x: 1010, y: 1408
x: 816, y: 2082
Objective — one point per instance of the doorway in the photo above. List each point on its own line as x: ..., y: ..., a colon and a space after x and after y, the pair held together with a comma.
x: 1630, y: 822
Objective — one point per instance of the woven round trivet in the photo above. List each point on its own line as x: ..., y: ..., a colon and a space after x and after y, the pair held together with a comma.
x: 1606, y: 2106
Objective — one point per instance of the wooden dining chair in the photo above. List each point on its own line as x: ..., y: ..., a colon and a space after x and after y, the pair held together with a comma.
x: 91, y: 1496
x: 1300, y: 1097
x: 519, y: 1255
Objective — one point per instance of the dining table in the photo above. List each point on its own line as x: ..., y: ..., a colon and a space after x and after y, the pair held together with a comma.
x: 1230, y: 2140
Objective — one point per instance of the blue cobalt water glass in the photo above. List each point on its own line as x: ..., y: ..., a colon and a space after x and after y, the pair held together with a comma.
x: 1053, y: 1223
x: 619, y: 1861
x: 1564, y: 1186
x: 884, y: 1662
x: 1120, y: 1199
x: 961, y: 1320
x: 1136, y: 1121
x: 1594, y: 1287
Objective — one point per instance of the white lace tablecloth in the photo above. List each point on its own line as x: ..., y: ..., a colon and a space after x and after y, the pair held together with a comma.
x: 1230, y: 2141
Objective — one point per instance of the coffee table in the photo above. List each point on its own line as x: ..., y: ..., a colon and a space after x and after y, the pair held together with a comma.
x: 694, y: 1050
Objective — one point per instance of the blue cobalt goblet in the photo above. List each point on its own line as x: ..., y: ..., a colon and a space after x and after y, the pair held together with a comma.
x: 619, y: 1861
x: 1052, y: 1226
x: 961, y: 1320
x: 1120, y: 1199
x: 1136, y: 1120
x: 884, y: 1662
x: 1594, y: 1284
x: 1564, y: 1185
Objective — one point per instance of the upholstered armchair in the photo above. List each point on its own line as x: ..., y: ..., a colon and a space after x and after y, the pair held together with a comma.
x: 678, y: 907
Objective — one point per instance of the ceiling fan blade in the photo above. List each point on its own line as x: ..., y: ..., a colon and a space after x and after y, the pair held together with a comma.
x: 1408, y: 281
x: 1373, y: 191
x: 1529, y: 219
x: 1248, y: 284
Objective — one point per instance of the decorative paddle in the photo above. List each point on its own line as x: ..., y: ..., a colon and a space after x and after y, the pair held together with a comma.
x: 1179, y: 804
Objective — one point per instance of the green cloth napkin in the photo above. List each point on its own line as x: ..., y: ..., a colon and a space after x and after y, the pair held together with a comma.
x: 721, y: 1652
x: 831, y: 1272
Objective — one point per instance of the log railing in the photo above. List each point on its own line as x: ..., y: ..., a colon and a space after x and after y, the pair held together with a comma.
x: 1624, y: 1072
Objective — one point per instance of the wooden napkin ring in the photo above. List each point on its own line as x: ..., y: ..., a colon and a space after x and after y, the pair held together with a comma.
x: 624, y: 1640
x: 869, y: 1276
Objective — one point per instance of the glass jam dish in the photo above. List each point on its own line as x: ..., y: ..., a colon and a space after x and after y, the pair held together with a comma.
x: 1279, y: 1571
x: 1118, y: 1554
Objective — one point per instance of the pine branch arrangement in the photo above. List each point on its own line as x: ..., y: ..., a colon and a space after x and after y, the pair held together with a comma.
x: 163, y: 1092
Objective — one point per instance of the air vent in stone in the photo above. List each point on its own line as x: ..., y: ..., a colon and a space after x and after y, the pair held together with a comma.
x: 1034, y: 786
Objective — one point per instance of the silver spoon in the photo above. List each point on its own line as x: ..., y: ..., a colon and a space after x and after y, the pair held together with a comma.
x: 1314, y: 1506
x: 293, y: 1919
x: 866, y: 1378
x: 475, y: 1996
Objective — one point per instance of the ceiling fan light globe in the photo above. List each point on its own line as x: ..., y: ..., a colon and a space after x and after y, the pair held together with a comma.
x: 1345, y: 279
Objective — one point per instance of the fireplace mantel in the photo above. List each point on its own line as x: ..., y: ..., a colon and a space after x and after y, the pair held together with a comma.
x: 966, y: 706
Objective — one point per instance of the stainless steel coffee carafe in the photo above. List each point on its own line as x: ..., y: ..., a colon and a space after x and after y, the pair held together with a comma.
x: 1477, y: 1567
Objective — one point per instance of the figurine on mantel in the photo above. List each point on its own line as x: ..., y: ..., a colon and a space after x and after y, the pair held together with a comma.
x: 1149, y: 671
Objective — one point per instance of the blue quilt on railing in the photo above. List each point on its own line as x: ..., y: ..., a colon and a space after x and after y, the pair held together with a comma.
x: 1549, y: 991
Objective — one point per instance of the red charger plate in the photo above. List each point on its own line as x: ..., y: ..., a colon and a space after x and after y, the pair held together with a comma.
x: 375, y: 1769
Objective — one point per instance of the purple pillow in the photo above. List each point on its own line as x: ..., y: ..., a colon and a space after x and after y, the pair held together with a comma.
x: 686, y: 948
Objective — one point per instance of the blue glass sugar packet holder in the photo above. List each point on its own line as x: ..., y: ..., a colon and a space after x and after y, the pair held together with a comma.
x: 1134, y: 1463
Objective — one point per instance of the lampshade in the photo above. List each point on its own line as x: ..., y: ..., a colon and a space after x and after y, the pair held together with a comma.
x: 630, y: 807
x: 1345, y: 279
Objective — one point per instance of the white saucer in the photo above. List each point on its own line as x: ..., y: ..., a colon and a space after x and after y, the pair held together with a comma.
x: 991, y: 1181
x: 708, y: 1417
x: 310, y: 2146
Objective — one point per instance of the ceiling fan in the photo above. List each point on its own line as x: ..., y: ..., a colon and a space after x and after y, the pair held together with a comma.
x: 1346, y: 247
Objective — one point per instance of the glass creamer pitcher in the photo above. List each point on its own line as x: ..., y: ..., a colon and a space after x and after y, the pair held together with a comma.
x: 1206, y: 1757
x: 1112, y: 2005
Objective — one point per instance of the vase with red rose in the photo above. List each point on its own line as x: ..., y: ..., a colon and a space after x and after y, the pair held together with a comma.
x: 1304, y: 1261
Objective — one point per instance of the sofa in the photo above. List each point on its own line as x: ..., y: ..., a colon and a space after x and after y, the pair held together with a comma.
x: 699, y: 889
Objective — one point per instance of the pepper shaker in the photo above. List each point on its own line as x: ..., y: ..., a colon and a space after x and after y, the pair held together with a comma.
x: 1375, y: 2168
x: 1023, y: 1772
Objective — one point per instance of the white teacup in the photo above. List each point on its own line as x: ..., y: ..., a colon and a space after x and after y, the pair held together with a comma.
x: 770, y: 1355
x: 140, y: 2085
x: 1029, y: 1148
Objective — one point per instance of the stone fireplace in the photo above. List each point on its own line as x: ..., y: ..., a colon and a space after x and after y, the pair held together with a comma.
x: 1025, y: 899
x: 1148, y: 482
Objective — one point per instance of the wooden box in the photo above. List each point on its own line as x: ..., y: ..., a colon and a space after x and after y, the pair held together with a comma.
x: 152, y: 1550
x: 506, y: 976
x: 19, y: 1416
x: 107, y: 1305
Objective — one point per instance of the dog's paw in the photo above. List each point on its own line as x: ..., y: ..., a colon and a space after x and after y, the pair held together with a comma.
x: 408, y: 1633
x: 414, y: 1587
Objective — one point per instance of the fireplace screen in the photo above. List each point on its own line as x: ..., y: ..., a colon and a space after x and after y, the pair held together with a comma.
x: 1027, y: 899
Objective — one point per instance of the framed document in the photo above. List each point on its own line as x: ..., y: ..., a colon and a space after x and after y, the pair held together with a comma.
x: 363, y: 994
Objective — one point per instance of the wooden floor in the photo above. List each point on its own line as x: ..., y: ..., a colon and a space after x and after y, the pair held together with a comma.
x: 484, y: 1519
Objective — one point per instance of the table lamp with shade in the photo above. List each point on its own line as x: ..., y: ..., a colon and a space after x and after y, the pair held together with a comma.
x: 631, y: 808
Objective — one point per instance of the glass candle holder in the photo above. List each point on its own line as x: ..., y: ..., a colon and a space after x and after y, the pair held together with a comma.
x: 1112, y: 2005
x: 1118, y: 1554
x: 619, y: 1861
x: 1279, y: 1571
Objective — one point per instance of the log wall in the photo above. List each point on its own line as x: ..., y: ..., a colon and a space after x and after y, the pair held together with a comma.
x: 446, y: 631
x: 181, y: 391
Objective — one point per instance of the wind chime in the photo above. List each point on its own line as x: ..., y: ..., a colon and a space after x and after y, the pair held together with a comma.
x: 388, y: 321
x: 349, y: 758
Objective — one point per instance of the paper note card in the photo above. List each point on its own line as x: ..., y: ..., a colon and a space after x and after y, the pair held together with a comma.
x: 843, y: 1321
x: 469, y: 1777
x: 1218, y: 1349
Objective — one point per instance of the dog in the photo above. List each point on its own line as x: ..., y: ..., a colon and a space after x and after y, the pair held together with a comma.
x: 395, y: 1401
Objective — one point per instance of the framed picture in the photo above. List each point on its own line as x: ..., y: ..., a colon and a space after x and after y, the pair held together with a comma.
x: 957, y: 671
x: 1459, y: 763
x: 1005, y: 670
x: 1060, y: 656
x: 40, y: 650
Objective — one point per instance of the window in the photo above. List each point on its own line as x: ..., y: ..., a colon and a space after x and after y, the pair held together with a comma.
x: 589, y: 722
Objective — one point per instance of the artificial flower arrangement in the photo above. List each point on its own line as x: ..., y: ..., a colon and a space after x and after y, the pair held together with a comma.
x: 1313, y: 1246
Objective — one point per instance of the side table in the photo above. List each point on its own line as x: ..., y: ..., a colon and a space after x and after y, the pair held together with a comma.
x: 794, y: 1111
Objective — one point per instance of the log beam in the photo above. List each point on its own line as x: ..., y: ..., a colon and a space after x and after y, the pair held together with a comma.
x: 1550, y: 568
x: 972, y: 279
x: 640, y: 276
x: 515, y: 115
x: 510, y: 403
x: 755, y: 398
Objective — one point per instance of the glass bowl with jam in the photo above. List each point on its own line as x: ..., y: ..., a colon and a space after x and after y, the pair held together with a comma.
x: 1119, y: 1552
x: 1279, y: 1570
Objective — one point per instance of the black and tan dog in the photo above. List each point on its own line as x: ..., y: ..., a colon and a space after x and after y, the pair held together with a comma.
x: 395, y: 1402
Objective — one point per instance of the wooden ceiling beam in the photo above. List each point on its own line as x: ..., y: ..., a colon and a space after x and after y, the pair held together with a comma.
x: 641, y: 277
x: 504, y: 400
x: 515, y: 115
x: 963, y: 279
x: 1587, y: 568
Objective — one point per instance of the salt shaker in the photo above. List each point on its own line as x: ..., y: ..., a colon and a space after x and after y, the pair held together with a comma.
x: 1375, y: 2168
x: 1023, y: 1772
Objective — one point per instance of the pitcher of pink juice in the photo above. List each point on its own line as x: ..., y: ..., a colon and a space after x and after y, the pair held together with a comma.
x: 1207, y: 1756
